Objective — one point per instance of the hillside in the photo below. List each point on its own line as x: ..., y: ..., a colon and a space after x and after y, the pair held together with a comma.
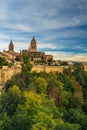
x: 45, y: 101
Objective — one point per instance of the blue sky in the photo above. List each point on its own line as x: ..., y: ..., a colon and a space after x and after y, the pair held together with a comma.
x: 59, y: 26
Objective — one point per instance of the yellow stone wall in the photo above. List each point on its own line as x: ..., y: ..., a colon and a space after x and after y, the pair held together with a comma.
x: 85, y: 66
x: 7, y: 73
x: 48, y: 68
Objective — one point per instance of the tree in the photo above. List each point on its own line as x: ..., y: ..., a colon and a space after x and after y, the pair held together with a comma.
x: 78, y: 66
x: 81, y: 77
x: 10, y: 100
x: 37, y: 112
x: 76, y: 117
x: 68, y: 71
x: 26, y: 66
x: 66, y: 95
x: 2, y: 62
x: 68, y: 85
x: 16, y: 80
x: 75, y: 102
x: 41, y: 85
x: 68, y: 126
x: 43, y: 121
x: 55, y: 88
x: 5, y: 122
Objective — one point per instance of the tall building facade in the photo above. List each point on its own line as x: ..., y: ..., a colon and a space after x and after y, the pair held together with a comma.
x: 11, y: 46
x: 33, y: 46
x: 34, y: 54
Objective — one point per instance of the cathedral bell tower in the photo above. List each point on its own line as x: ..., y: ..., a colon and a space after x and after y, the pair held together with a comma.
x: 33, y: 46
x: 11, y: 46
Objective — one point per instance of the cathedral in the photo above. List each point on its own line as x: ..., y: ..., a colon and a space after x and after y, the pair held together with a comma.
x: 34, y: 54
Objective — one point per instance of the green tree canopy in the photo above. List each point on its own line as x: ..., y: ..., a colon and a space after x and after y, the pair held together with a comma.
x: 2, y: 62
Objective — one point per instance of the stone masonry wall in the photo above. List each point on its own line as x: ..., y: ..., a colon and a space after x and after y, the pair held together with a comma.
x: 7, y: 73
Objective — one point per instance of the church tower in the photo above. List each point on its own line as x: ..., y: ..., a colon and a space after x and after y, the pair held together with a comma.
x: 33, y: 46
x: 11, y: 46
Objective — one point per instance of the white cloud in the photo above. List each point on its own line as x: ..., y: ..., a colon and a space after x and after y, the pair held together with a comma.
x: 76, y: 21
x: 3, y: 36
x: 67, y: 56
x: 3, y: 46
x: 37, y: 16
x: 85, y: 49
x: 47, y: 20
x: 78, y: 47
x: 46, y: 45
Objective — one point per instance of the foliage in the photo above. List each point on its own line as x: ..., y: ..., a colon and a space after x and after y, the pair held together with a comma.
x: 81, y: 77
x: 41, y: 85
x: 74, y: 102
x: 45, y: 101
x: 10, y: 100
x: 2, y: 62
x: 68, y: 126
x: 76, y: 117
x: 66, y: 81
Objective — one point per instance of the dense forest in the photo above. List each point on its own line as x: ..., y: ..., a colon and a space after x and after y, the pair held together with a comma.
x: 45, y: 101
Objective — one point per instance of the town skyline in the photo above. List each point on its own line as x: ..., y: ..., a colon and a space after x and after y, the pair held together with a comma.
x: 59, y: 26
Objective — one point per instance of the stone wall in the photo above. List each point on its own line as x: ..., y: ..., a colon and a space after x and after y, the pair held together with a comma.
x: 48, y: 68
x: 85, y: 67
x: 6, y: 74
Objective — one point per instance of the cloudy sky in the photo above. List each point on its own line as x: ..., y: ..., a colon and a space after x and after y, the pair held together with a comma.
x: 59, y: 26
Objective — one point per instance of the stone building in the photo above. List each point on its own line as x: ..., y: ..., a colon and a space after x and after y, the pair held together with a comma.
x: 33, y: 46
x: 49, y: 57
x: 34, y: 54
x: 11, y: 47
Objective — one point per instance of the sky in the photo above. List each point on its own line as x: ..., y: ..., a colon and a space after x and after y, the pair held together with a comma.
x: 59, y: 26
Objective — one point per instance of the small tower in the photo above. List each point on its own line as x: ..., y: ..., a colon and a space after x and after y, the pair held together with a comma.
x: 33, y: 45
x: 11, y: 46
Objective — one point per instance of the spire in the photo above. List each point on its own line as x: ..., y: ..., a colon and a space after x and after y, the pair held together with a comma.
x: 11, y: 42
x: 33, y: 39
